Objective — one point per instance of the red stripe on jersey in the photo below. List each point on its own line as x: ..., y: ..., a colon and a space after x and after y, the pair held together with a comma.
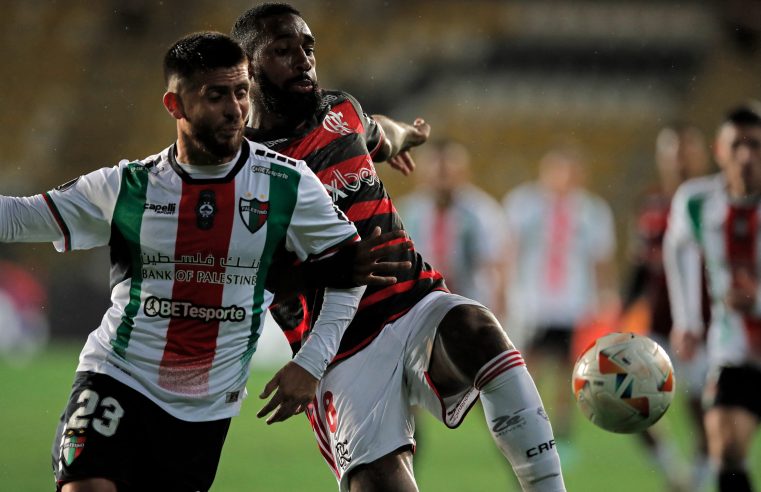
x: 341, y: 120
x: 366, y: 341
x: 296, y: 334
x: 396, y: 289
x: 740, y: 235
x: 365, y: 210
x: 191, y: 343
x: 393, y: 242
x: 348, y: 173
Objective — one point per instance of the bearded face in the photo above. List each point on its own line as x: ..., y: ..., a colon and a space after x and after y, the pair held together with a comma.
x: 294, y: 106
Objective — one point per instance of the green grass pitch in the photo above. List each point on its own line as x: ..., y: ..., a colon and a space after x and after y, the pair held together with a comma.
x: 284, y: 457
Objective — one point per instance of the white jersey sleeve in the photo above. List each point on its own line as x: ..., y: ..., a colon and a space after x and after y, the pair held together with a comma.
x: 84, y: 208
x: 317, y: 225
x: 338, y: 309
x: 27, y: 220
x: 682, y: 262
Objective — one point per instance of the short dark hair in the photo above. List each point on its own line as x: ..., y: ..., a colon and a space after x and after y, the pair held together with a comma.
x: 247, y: 29
x: 201, y: 52
x: 748, y: 114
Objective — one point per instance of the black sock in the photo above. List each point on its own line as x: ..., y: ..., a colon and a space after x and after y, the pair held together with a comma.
x: 734, y: 481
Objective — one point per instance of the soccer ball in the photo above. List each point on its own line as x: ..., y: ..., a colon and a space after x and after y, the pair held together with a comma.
x: 623, y: 382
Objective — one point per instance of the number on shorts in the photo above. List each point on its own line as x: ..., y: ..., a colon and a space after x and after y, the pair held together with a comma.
x: 112, y: 413
x: 331, y: 414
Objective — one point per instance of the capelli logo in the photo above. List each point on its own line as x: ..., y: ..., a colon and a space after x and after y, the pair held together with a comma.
x: 168, y: 209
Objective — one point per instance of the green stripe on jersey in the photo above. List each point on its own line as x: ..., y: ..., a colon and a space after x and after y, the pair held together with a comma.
x: 283, y: 196
x: 695, y: 210
x: 128, y: 218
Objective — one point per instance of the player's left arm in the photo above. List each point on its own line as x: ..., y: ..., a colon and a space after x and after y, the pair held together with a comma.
x: 317, y: 229
x: 604, y: 247
x: 295, y: 385
x: 744, y: 294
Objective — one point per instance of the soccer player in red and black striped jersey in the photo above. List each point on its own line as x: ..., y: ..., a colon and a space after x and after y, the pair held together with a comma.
x: 412, y: 343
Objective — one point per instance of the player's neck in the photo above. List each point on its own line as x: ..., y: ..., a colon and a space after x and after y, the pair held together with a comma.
x: 271, y: 121
x: 190, y: 153
x: 740, y: 194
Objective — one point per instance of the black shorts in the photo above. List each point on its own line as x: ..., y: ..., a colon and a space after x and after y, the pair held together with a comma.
x: 109, y: 430
x: 737, y: 387
x: 554, y: 340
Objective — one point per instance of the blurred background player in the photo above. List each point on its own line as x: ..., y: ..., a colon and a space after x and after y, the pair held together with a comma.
x: 717, y: 217
x: 560, y: 246
x: 680, y: 154
x: 455, y: 224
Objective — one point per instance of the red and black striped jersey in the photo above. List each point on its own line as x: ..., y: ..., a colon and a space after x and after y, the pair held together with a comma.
x: 338, y: 144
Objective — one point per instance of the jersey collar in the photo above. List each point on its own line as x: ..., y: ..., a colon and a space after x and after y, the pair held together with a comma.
x: 244, y: 153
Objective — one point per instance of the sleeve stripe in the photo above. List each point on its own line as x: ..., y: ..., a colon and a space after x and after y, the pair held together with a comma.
x: 59, y: 220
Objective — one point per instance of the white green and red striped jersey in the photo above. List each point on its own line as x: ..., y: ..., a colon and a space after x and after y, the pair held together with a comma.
x: 705, y: 222
x: 189, y: 261
x: 558, y: 241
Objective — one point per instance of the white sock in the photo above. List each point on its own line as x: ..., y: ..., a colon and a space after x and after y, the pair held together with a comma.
x: 518, y: 423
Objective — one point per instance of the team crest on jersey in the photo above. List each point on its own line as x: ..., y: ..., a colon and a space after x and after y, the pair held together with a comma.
x: 253, y: 213
x: 206, y: 209
x: 72, y: 445
x: 334, y: 123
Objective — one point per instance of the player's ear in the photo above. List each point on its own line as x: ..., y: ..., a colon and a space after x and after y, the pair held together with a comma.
x: 173, y: 105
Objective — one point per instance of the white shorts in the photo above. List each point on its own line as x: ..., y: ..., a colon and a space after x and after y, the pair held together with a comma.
x: 363, y: 405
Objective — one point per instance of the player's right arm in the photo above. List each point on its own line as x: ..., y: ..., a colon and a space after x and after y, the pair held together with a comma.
x: 75, y: 215
x: 683, y: 267
x: 27, y: 220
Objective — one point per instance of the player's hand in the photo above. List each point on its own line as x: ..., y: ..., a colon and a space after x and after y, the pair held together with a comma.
x: 685, y: 343
x: 403, y: 163
x: 369, y: 264
x: 742, y: 295
x: 415, y: 134
x: 294, y: 389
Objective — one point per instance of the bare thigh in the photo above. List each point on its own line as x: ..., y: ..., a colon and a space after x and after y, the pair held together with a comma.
x: 730, y: 432
x: 392, y: 472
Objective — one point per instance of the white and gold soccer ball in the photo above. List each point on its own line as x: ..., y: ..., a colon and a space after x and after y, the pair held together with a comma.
x: 623, y: 382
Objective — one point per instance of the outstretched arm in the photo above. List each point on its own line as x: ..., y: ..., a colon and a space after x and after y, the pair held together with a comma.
x: 27, y: 219
x: 400, y: 138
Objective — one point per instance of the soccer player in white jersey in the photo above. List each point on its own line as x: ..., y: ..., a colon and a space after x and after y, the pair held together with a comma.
x: 456, y: 225
x: 560, y: 245
x: 192, y: 231
x: 717, y: 217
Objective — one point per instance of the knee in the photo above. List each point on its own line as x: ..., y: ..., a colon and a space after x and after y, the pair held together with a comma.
x: 471, y: 337
x: 470, y: 324
x: 391, y: 472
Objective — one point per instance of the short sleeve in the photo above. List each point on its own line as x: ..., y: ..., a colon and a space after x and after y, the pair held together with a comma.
x: 83, y: 209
